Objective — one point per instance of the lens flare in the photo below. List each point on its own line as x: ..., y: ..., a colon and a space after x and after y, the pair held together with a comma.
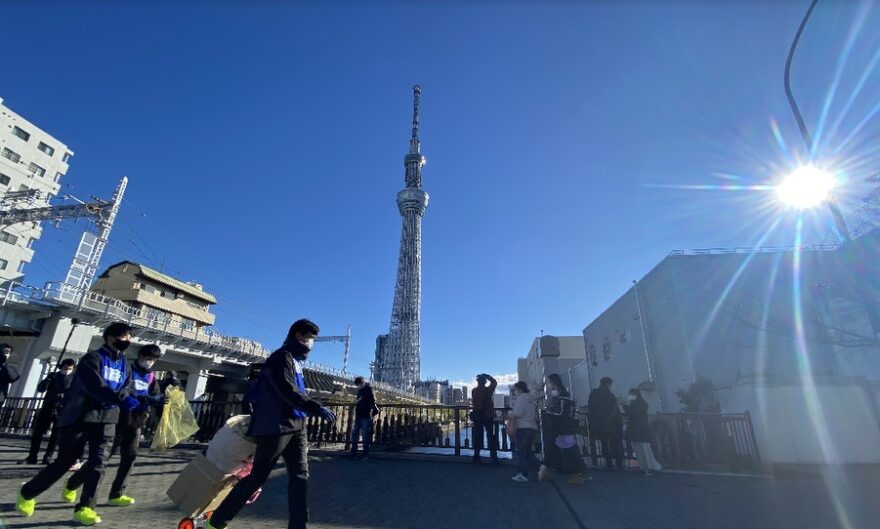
x: 806, y: 187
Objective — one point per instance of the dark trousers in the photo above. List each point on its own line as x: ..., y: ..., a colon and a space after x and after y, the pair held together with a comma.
x: 362, y: 427
x: 294, y: 448
x: 485, y: 427
x: 128, y: 439
x: 612, y: 448
x: 525, y: 450
x: 45, y: 419
x: 73, y: 439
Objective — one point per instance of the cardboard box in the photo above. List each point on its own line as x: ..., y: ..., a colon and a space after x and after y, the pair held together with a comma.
x: 200, y: 487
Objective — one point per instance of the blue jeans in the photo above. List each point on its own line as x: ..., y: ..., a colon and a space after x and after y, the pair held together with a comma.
x: 364, y: 427
x: 525, y: 450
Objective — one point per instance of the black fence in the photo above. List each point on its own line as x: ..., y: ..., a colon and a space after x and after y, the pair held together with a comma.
x: 693, y: 441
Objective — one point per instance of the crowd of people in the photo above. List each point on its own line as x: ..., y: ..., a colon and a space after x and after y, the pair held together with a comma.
x: 555, y: 427
x: 101, y: 404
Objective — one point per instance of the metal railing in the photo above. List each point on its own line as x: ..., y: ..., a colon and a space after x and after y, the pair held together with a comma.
x: 690, y: 441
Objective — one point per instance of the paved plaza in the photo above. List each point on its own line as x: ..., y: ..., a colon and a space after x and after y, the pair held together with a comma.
x: 397, y: 494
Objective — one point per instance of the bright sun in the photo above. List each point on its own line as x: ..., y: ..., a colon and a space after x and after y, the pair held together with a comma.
x: 806, y: 187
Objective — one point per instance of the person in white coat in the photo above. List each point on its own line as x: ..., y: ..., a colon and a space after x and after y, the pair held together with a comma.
x: 524, y: 418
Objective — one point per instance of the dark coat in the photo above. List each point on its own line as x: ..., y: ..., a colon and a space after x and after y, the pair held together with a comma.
x: 8, y: 375
x: 275, y: 395
x: 560, y: 417
x: 604, y: 414
x: 54, y: 387
x: 366, y: 403
x: 483, y: 402
x: 89, y: 399
x: 638, y: 430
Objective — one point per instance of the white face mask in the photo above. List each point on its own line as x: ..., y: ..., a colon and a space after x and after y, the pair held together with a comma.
x: 632, y: 398
x: 147, y: 364
x: 309, y: 343
x: 66, y: 372
x: 554, y: 392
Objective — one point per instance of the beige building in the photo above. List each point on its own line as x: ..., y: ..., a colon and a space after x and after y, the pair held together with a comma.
x: 31, y: 166
x: 157, y: 296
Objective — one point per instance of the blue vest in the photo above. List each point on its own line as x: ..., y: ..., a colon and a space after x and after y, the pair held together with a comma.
x: 301, y: 384
x: 113, y: 372
x: 141, y: 382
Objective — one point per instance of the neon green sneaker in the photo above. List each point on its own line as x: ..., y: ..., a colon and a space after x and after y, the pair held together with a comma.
x: 121, y: 501
x: 86, y: 516
x: 24, y: 506
x: 209, y: 526
x: 68, y: 495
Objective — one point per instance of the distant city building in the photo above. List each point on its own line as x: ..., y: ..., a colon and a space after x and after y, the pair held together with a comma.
x: 168, y: 302
x: 31, y: 166
x: 434, y: 390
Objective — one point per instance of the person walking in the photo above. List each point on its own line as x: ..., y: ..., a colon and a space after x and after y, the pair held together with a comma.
x: 88, y: 417
x: 524, y: 417
x: 8, y: 373
x: 483, y: 416
x: 561, y: 452
x: 145, y: 388
x: 606, y: 422
x: 280, y: 407
x: 638, y: 432
x: 54, y: 386
x: 364, y: 411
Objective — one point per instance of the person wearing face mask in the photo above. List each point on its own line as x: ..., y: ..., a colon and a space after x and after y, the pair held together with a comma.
x: 606, y: 423
x: 54, y: 387
x: 145, y: 388
x: 8, y: 373
x: 88, y: 417
x: 560, y: 425
x: 638, y: 432
x: 280, y: 406
x: 525, y: 414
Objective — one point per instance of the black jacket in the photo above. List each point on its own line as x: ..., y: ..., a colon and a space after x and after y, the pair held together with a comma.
x: 8, y: 375
x: 559, y: 416
x: 604, y: 414
x: 637, y: 428
x: 89, y: 398
x: 275, y: 395
x: 366, y: 403
x: 54, y: 387
x: 138, y: 418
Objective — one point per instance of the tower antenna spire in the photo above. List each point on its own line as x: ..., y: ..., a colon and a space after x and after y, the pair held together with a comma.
x: 414, y: 142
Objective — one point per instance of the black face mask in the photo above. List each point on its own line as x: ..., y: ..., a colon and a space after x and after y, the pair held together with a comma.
x: 2, y: 359
x: 122, y: 345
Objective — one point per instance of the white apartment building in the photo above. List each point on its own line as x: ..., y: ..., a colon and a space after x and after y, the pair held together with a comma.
x: 30, y: 160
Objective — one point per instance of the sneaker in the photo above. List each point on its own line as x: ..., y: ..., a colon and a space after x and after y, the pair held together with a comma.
x: 76, y: 466
x: 68, y: 495
x: 28, y: 461
x: 121, y: 501
x: 24, y: 506
x: 520, y: 478
x: 647, y: 473
x: 86, y: 516
x: 543, y: 473
x: 208, y: 525
x: 575, y: 479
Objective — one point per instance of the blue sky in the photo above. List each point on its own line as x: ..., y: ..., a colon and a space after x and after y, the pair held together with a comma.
x: 264, y: 143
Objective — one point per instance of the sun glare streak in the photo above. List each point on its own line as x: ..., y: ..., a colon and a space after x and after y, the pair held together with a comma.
x: 842, y: 60
x: 860, y: 85
x: 780, y: 141
x: 835, y: 485
x: 858, y: 128
x: 710, y: 319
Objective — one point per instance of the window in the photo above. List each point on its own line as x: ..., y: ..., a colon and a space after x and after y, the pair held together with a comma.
x: 4, y: 180
x: 36, y: 169
x: 66, y: 157
x: 12, y: 155
x: 3, y: 264
x: 23, y: 187
x: 20, y: 133
x: 21, y: 267
x: 46, y: 149
x: 58, y: 177
x: 30, y: 244
x: 8, y: 238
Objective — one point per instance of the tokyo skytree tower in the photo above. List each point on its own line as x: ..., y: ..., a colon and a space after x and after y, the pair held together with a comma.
x: 397, y: 353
